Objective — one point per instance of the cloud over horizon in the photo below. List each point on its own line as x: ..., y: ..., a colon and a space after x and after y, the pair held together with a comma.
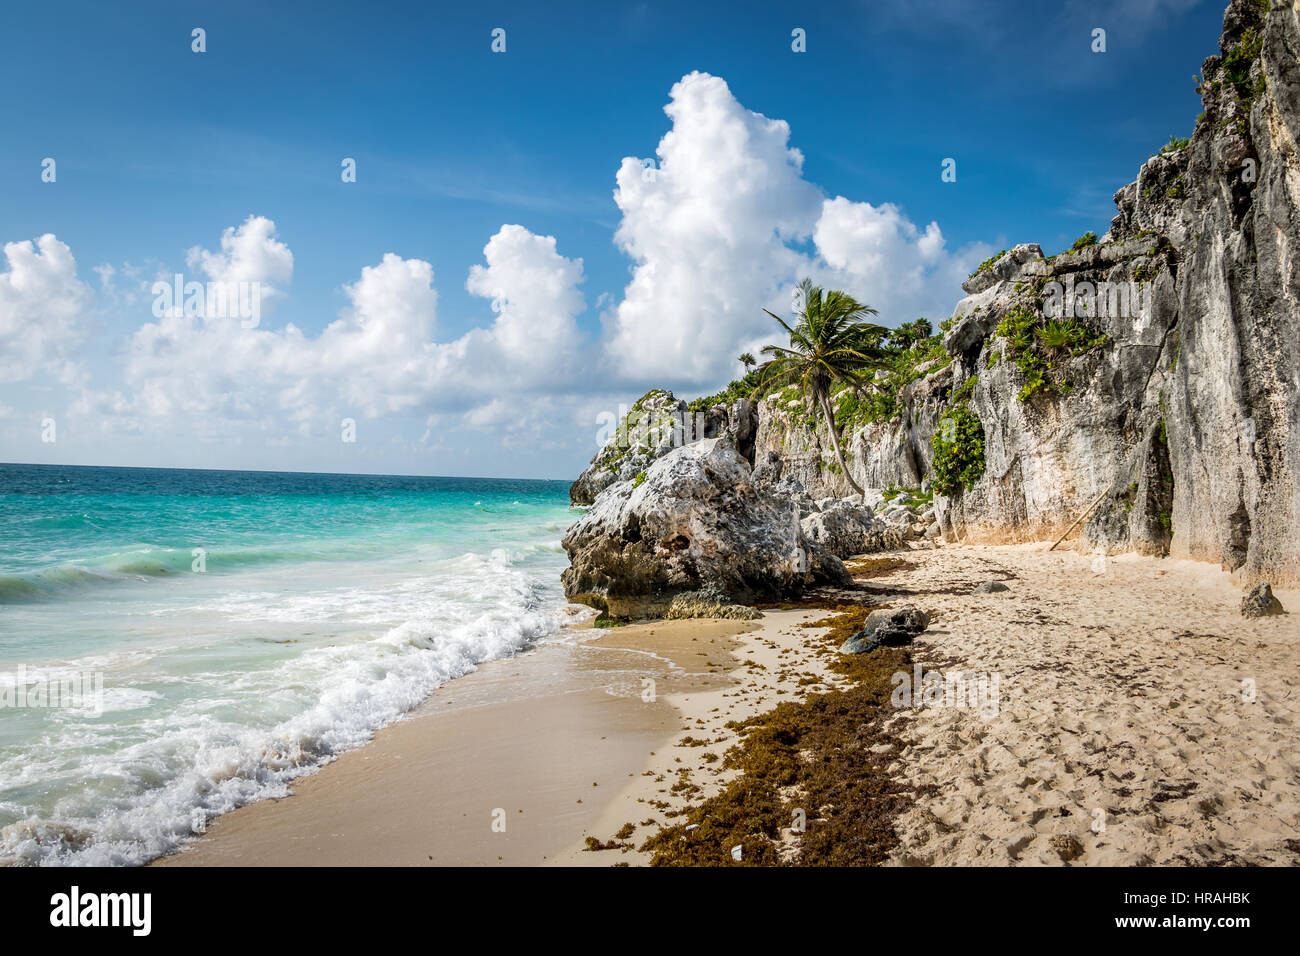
x: 719, y: 226
x: 205, y: 372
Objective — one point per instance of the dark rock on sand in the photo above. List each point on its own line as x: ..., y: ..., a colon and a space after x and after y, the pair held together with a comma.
x: 991, y: 587
x: 826, y: 568
x: 1260, y: 602
x: 890, y: 627
x: 1067, y: 847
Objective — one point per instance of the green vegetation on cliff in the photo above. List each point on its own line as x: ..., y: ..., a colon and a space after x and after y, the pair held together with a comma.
x: 988, y: 263
x: 904, y: 360
x: 958, y: 444
x: 750, y: 386
x: 1040, y: 347
x: 638, y: 433
x: 903, y: 355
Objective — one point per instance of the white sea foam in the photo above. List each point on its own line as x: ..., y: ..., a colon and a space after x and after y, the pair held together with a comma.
x: 177, y: 747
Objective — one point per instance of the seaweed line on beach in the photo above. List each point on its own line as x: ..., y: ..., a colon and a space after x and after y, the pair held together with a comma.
x: 819, y: 763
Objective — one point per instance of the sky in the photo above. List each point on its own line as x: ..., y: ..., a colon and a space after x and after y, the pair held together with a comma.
x: 463, y: 259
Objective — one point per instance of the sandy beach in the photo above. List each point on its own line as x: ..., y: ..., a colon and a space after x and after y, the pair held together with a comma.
x: 501, y: 767
x: 1138, y: 719
x: 1142, y: 719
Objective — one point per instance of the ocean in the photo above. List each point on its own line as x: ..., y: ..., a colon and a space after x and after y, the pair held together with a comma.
x: 241, y: 629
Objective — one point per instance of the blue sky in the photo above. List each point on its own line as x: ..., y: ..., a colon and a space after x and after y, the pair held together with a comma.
x: 160, y: 150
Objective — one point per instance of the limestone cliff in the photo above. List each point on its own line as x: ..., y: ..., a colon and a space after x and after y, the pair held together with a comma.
x: 1186, y: 419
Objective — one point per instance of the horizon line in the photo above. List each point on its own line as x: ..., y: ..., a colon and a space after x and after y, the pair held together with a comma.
x: 273, y: 471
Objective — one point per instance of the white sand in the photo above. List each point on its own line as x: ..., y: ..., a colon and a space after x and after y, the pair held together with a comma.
x: 1125, y: 701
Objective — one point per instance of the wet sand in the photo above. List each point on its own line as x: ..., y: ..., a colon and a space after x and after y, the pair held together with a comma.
x: 774, y: 662
x: 501, y: 767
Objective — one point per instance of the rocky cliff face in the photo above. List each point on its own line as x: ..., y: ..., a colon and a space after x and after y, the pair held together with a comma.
x: 1234, y: 398
x: 880, y: 454
x: 1152, y: 376
x: 1185, y: 419
x: 1066, y: 423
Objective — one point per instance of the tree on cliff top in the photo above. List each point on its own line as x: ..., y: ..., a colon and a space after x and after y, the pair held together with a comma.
x: 828, y: 343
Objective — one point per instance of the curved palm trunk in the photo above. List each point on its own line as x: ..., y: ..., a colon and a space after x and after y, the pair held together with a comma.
x: 829, y: 413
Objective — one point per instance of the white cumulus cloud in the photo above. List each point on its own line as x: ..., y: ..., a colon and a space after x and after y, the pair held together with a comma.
x: 718, y: 229
x: 249, y: 253
x: 201, y: 374
x: 534, y: 291
x: 41, y: 303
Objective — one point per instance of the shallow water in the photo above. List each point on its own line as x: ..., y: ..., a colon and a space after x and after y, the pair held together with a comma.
x: 245, y: 627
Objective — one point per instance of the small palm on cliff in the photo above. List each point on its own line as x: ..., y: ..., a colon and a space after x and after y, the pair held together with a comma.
x: 828, y: 344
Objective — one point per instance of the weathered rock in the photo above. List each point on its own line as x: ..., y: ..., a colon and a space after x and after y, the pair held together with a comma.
x: 970, y: 331
x: 1261, y: 602
x: 990, y: 587
x: 1007, y: 266
x: 826, y: 568
x: 767, y: 468
x: 844, y: 528
x: 889, y: 627
x: 710, y: 604
x: 696, y: 521
x: 768, y: 477
x: 900, y: 524
x: 657, y: 423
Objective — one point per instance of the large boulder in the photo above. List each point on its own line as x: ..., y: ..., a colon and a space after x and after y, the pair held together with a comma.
x: 844, y: 527
x: 696, y: 521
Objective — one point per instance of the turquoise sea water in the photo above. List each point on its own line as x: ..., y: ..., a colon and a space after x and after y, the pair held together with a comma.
x: 245, y: 627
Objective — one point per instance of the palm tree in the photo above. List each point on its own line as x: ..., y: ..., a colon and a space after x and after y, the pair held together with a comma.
x: 910, y: 333
x: 827, y: 345
x: 747, y: 359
